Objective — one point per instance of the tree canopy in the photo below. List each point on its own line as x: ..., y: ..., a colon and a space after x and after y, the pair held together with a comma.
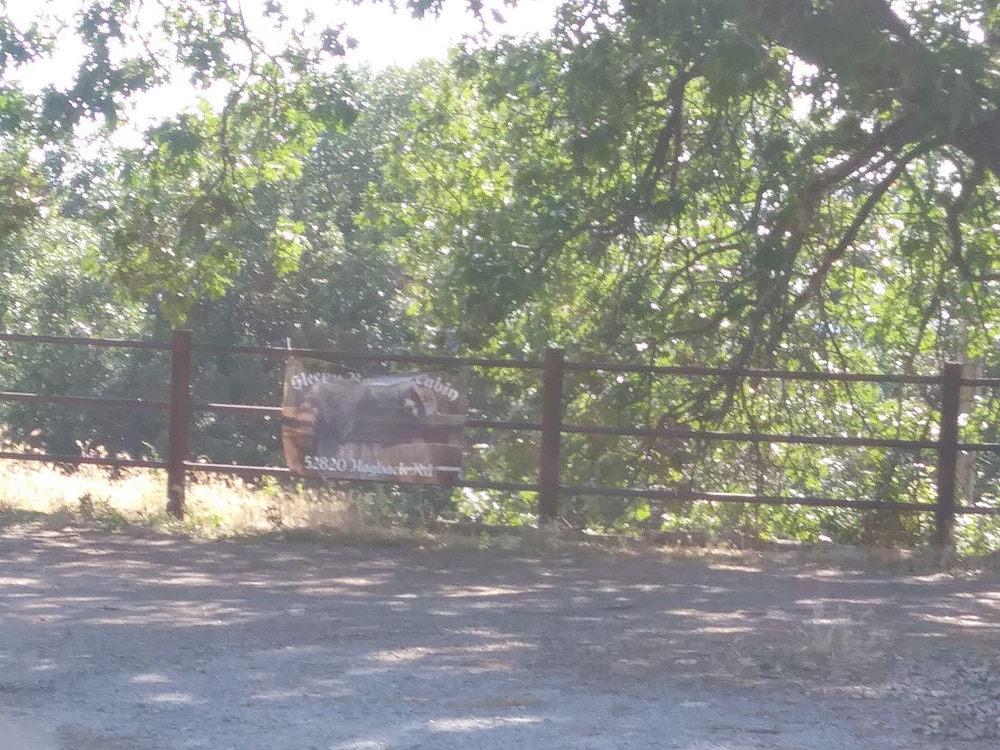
x: 782, y: 139
x: 793, y: 127
x: 803, y: 184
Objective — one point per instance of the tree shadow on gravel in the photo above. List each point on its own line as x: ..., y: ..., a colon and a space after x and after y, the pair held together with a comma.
x: 173, y: 642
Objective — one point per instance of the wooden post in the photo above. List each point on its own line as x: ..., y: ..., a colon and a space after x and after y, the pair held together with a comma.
x: 549, y: 458
x: 180, y: 412
x: 947, y: 469
x: 965, y: 486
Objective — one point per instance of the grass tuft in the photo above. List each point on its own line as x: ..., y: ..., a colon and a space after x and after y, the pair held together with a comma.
x: 833, y: 644
x: 112, y: 499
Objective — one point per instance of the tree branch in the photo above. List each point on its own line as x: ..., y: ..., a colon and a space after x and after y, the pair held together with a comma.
x: 953, y: 216
x: 835, y: 253
x: 874, y: 55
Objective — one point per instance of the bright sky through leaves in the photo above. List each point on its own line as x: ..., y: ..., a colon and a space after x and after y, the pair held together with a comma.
x: 384, y: 38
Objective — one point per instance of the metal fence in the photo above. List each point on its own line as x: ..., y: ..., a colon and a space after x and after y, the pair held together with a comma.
x: 180, y: 407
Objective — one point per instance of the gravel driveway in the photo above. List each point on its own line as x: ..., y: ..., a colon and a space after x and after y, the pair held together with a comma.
x: 147, y: 642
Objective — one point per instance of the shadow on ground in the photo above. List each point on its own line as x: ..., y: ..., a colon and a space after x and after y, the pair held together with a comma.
x: 150, y: 641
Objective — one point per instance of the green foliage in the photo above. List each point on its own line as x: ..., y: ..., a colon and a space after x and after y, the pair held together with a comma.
x: 808, y: 186
x: 21, y: 189
x: 172, y: 208
x: 649, y: 183
x: 163, y: 207
x: 47, y: 290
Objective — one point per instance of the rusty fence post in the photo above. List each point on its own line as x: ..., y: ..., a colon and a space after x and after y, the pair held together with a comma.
x: 180, y: 413
x: 549, y: 456
x: 948, y: 451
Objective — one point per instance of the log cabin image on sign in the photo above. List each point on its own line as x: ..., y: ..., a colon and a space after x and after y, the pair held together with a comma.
x: 400, y: 428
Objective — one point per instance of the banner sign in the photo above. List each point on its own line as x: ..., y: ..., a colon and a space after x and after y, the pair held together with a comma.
x: 401, y: 428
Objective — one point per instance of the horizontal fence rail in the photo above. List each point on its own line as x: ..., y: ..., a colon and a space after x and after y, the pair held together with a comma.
x: 49, y: 458
x: 553, y: 370
x: 749, y: 437
x: 337, y: 356
x: 85, y: 401
x: 820, y: 377
x: 20, y: 338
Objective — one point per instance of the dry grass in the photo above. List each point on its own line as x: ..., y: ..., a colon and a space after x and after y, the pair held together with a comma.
x: 833, y: 643
x: 219, y: 506
x: 215, y: 506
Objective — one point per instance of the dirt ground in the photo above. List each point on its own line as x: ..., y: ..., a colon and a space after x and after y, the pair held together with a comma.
x: 141, y: 641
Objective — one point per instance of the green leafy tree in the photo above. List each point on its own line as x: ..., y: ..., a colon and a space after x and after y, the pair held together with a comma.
x: 47, y: 291
x: 778, y: 184
x: 774, y: 139
x: 760, y: 183
x: 168, y: 198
